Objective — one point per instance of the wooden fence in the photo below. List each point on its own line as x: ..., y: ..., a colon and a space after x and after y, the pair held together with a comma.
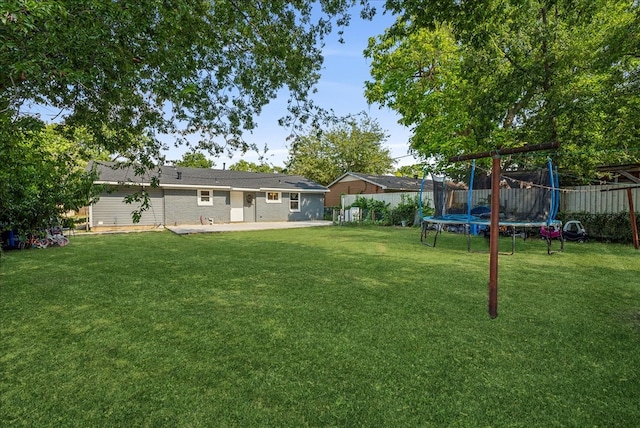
x: 592, y: 199
x: 572, y: 199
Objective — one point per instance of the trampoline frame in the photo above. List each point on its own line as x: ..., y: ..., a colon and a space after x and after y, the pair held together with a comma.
x: 468, y: 220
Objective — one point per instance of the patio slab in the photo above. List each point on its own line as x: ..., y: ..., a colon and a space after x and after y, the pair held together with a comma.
x: 238, y: 227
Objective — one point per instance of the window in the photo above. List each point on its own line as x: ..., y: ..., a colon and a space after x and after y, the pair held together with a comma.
x: 294, y: 202
x: 205, y: 197
x: 273, y: 198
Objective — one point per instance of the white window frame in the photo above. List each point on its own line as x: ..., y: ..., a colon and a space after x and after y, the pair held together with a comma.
x: 291, y: 201
x: 201, y: 201
x: 273, y: 201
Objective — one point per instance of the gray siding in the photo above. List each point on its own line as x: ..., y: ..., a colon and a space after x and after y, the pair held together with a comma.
x: 181, y: 207
x: 311, y: 208
x: 112, y: 210
x: 270, y: 212
x: 249, y: 207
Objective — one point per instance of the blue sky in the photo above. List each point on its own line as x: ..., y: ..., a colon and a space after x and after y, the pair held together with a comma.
x: 340, y: 88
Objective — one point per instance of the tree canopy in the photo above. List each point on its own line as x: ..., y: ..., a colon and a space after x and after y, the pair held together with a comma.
x: 243, y: 165
x: 415, y: 170
x: 134, y: 74
x: 351, y: 145
x: 476, y: 76
x: 195, y: 160
x: 197, y: 70
x: 42, y: 177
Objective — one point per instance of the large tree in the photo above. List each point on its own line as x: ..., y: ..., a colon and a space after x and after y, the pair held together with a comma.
x: 475, y: 76
x: 354, y: 145
x: 197, y: 70
x: 135, y: 74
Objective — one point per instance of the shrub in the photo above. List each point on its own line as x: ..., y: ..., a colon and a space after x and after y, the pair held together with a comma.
x: 604, y: 227
x: 373, y: 211
x: 407, y: 210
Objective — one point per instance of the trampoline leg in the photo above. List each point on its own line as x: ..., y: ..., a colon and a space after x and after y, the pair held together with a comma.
x: 549, y: 241
x: 425, y: 231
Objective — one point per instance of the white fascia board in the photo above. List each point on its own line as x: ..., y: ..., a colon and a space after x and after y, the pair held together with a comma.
x: 122, y: 183
x: 245, y: 189
x: 164, y: 186
x: 359, y: 177
x: 289, y: 190
x: 339, y: 178
x: 193, y: 186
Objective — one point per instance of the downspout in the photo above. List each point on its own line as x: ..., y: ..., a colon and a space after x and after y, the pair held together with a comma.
x: 90, y: 215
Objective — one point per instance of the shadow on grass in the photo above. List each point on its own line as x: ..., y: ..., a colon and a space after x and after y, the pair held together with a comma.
x: 325, y: 326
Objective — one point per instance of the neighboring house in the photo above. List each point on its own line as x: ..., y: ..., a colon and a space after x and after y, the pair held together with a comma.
x: 203, y: 196
x: 353, y: 183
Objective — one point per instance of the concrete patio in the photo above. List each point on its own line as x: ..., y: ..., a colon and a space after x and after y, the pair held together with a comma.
x: 238, y: 227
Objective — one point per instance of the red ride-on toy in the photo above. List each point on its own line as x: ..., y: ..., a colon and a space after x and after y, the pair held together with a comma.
x: 571, y: 231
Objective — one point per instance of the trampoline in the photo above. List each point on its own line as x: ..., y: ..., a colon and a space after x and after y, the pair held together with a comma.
x: 536, y: 206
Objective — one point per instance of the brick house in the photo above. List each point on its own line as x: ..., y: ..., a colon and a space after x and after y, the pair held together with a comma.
x: 353, y: 183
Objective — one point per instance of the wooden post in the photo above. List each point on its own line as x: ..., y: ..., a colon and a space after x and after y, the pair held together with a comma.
x: 632, y: 216
x: 495, y: 209
x: 494, y: 237
x: 632, y: 213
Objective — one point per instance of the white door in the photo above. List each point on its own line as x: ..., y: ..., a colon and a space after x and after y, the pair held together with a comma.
x: 237, y: 204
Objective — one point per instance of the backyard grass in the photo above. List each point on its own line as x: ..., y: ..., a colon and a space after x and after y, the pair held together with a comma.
x: 326, y: 326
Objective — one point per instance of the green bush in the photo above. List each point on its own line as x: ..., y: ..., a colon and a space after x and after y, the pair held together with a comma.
x: 407, y: 210
x: 604, y: 227
x: 373, y: 211
x: 380, y: 213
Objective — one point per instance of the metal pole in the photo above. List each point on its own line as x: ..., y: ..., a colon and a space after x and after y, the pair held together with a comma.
x: 494, y: 237
x: 632, y: 216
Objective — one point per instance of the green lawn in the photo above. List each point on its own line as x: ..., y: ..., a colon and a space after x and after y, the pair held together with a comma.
x: 330, y: 326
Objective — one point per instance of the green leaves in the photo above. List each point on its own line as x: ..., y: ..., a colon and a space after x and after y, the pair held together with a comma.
x: 185, y: 68
x: 42, y: 176
x: 195, y: 160
x: 350, y: 145
x: 471, y: 76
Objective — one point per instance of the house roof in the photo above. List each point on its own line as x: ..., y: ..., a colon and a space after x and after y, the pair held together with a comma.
x: 183, y: 177
x: 386, y: 182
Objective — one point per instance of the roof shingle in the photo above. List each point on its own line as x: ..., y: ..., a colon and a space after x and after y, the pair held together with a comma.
x: 114, y: 173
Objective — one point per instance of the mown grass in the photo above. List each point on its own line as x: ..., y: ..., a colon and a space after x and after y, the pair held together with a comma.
x: 334, y: 326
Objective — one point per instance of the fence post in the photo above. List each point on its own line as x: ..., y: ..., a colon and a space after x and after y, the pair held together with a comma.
x: 632, y: 216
